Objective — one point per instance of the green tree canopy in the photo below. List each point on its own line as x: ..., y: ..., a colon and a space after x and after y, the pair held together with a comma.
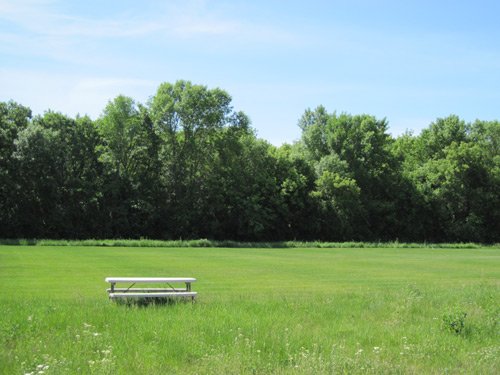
x: 187, y: 165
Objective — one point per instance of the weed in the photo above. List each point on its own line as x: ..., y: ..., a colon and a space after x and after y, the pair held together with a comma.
x: 143, y: 242
x: 454, y: 321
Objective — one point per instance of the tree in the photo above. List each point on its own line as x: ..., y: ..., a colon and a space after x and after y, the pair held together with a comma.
x: 14, y: 118
x: 189, y: 120
x: 441, y: 134
x: 129, y: 152
x: 338, y: 195
x: 57, y: 176
x: 295, y: 181
x: 362, y: 146
x: 453, y: 167
x: 314, y: 126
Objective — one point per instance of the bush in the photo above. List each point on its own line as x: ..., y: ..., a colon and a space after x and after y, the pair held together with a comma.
x: 454, y: 321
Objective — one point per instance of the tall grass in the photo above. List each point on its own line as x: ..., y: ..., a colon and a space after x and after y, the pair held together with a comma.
x: 238, y: 244
x: 259, y: 311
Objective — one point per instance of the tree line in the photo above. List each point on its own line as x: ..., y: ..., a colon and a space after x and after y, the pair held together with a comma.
x: 187, y: 165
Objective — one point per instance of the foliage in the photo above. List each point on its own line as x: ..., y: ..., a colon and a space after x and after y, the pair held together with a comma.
x: 453, y: 168
x: 454, y: 321
x: 186, y: 165
x: 14, y: 118
x: 240, y: 244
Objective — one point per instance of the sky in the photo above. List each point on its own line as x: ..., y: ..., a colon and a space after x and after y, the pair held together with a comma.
x: 410, y: 62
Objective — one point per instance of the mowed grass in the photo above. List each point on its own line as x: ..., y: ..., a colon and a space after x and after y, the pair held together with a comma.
x: 283, y: 311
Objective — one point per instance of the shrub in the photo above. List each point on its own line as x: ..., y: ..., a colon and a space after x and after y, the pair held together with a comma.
x: 454, y: 321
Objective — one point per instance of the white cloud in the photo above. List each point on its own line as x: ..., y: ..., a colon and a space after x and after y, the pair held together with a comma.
x: 189, y: 19
x: 42, y: 18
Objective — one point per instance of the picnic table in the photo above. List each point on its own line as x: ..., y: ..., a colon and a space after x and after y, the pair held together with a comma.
x: 167, y: 287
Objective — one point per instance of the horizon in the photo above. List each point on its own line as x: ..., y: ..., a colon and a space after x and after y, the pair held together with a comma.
x: 409, y: 63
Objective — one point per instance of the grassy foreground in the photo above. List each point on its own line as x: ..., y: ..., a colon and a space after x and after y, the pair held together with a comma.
x: 284, y: 311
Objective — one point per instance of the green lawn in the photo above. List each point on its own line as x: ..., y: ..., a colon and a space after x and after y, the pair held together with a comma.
x: 258, y: 311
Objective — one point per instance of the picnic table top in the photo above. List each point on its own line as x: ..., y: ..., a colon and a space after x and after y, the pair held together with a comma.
x: 150, y: 279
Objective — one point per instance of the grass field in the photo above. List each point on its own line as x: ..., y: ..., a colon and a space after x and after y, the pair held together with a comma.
x: 284, y: 311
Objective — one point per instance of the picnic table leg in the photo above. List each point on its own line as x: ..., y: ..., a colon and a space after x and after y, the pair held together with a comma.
x: 188, y: 287
x: 112, y: 287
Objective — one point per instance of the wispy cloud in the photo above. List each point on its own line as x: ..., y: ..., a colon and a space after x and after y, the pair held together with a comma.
x: 44, y: 18
x: 46, y: 28
x: 189, y: 19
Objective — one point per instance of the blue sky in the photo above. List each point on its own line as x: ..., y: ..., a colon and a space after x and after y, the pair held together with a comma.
x: 408, y: 61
